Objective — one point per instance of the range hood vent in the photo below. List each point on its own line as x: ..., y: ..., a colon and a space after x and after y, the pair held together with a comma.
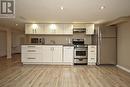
x: 79, y: 30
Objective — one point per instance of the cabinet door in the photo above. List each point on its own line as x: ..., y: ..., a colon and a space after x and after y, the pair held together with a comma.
x: 31, y: 57
x: 68, y: 29
x: 39, y: 29
x: 49, y: 29
x: 47, y: 54
x: 79, y: 25
x: 89, y: 29
x: 92, y: 53
x: 59, y: 28
x: 29, y: 29
x: 53, y: 29
x: 68, y: 54
x: 57, y: 54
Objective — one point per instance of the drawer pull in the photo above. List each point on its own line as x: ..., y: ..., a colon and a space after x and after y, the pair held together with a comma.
x: 31, y: 58
x: 31, y: 46
x: 92, y: 51
x: 31, y: 50
x: 92, y: 58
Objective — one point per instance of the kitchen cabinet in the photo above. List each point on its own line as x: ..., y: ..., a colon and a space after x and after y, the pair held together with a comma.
x: 68, y: 54
x: 58, y: 29
x: 68, y: 29
x: 92, y: 55
x: 49, y: 29
x: 79, y: 25
x: 57, y: 54
x: 47, y: 54
x: 34, y: 28
x: 53, y: 29
x: 89, y: 29
x: 31, y: 53
x: 52, y: 54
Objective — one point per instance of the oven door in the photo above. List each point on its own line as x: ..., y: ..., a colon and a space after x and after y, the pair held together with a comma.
x: 80, y: 52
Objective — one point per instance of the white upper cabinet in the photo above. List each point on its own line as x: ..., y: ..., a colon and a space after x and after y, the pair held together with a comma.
x: 53, y: 29
x: 68, y: 29
x: 80, y: 25
x: 58, y: 29
x: 34, y: 28
x: 89, y: 29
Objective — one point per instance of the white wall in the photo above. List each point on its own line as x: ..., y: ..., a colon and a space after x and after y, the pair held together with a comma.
x: 2, y: 43
x: 17, y: 41
x: 123, y: 45
x: 17, y: 38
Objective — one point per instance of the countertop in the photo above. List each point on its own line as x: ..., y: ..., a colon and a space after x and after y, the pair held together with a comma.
x: 54, y: 44
x: 50, y: 44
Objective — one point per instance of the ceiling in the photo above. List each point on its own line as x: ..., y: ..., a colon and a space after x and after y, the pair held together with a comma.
x: 75, y: 11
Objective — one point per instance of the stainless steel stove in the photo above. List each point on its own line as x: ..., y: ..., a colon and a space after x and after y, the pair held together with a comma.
x: 80, y: 51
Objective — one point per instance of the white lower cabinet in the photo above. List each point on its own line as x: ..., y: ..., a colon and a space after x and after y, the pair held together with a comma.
x: 31, y: 53
x: 92, y: 55
x: 57, y: 54
x: 31, y: 57
x: 52, y: 54
x: 68, y: 55
x: 47, y: 54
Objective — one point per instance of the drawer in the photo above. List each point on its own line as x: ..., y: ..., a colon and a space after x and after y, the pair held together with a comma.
x: 92, y: 48
x: 31, y: 58
x: 36, y: 49
x: 92, y: 55
x: 80, y: 60
x: 91, y: 59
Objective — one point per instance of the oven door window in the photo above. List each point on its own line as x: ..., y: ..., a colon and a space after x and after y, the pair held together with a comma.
x: 80, y: 53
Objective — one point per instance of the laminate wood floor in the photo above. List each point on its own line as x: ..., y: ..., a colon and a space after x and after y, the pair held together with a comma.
x: 14, y: 74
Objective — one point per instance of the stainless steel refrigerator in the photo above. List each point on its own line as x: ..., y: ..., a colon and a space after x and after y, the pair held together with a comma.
x: 106, y: 45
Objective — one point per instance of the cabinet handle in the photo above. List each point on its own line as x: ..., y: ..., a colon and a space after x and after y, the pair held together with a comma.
x: 31, y: 50
x: 35, y: 31
x: 31, y: 58
x: 52, y: 48
x: 31, y: 46
x: 92, y: 58
x: 92, y: 51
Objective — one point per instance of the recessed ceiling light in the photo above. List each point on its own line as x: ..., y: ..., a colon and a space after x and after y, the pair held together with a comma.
x: 102, y: 7
x: 62, y: 8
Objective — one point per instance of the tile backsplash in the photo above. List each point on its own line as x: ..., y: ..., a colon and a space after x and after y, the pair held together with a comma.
x: 62, y: 39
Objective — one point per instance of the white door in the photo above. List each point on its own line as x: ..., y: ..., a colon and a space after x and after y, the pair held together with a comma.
x: 59, y: 28
x: 47, y: 54
x: 34, y: 28
x: 57, y: 54
x: 28, y: 29
x: 92, y: 53
x: 89, y: 29
x: 39, y: 29
x: 48, y: 29
x: 68, y: 29
x: 68, y: 54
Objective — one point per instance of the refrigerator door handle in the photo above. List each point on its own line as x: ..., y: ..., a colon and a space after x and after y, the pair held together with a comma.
x: 99, y: 47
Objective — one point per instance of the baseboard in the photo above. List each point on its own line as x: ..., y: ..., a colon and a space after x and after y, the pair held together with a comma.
x: 123, y: 68
x: 49, y: 63
x: 11, y: 54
